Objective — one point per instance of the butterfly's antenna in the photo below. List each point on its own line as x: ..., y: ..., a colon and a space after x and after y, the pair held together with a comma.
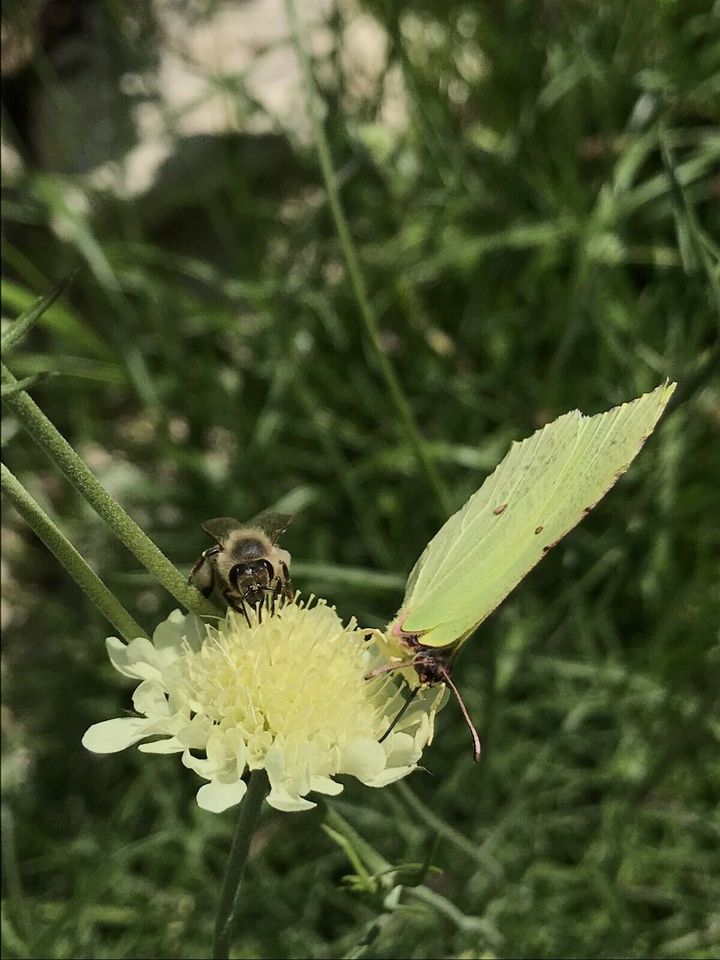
x: 399, y: 714
x: 473, y: 732
x: 389, y: 667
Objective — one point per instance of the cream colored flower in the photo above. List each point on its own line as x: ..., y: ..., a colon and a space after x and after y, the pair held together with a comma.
x: 287, y: 694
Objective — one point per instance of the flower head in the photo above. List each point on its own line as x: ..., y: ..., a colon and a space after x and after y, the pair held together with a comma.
x: 286, y: 692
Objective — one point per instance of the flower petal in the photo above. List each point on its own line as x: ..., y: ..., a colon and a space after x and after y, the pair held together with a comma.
x: 401, y: 750
x: 326, y: 785
x: 363, y: 758
x: 111, y: 736
x: 136, y: 659
x: 204, y: 767
x: 168, y: 745
x: 389, y: 776
x: 282, y: 800
x: 151, y: 700
x: 172, y: 635
x: 194, y: 734
x: 217, y: 796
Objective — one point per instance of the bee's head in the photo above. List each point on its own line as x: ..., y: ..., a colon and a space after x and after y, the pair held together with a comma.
x: 255, y: 571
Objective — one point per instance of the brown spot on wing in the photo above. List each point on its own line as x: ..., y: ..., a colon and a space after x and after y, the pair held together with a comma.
x: 500, y: 508
x: 549, y: 546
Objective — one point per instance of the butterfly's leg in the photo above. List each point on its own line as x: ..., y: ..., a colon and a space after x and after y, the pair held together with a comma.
x: 401, y: 711
x: 389, y: 667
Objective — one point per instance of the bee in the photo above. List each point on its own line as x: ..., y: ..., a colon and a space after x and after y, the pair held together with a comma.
x: 245, y: 565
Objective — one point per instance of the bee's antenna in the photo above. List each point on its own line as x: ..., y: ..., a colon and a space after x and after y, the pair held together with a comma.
x: 473, y: 732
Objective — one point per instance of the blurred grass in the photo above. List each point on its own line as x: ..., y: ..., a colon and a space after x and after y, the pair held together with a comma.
x: 526, y: 252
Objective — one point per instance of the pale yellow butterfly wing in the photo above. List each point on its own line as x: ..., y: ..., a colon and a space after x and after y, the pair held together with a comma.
x: 544, y: 486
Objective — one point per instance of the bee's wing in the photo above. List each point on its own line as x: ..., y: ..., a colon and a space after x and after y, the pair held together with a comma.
x: 273, y: 524
x: 220, y: 528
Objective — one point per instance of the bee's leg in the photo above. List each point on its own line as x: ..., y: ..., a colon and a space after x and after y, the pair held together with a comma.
x: 269, y: 597
x: 205, y: 588
x: 200, y: 562
x: 255, y: 598
x: 287, y: 587
x: 237, y: 604
x: 276, y: 591
x: 245, y: 613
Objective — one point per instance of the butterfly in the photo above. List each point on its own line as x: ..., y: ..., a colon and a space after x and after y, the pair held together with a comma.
x: 543, y: 487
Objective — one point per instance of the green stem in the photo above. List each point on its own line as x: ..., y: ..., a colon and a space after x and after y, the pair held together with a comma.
x: 26, y: 383
x: 26, y: 321
x: 123, y: 526
x: 58, y: 544
x: 444, y: 829
x: 11, y: 872
x: 447, y: 909
x: 250, y: 808
x: 353, y: 267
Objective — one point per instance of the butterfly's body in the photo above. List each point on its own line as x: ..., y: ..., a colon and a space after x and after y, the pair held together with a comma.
x: 544, y: 486
x: 245, y: 565
x: 432, y: 665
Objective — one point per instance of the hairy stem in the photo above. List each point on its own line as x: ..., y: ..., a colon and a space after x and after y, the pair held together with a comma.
x: 250, y: 810
x: 51, y: 441
x: 58, y: 544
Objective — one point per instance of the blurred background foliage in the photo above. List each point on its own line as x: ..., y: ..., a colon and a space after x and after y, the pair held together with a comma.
x: 527, y: 250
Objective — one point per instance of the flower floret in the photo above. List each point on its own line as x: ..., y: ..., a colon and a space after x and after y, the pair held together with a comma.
x: 285, y: 692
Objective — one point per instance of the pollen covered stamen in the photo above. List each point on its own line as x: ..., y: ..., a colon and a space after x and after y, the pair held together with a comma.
x: 289, y: 672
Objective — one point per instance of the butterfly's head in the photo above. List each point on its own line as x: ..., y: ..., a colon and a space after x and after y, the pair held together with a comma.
x: 404, y: 638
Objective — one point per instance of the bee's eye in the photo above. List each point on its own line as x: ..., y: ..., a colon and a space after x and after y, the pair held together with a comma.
x: 239, y: 570
x: 253, y: 569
